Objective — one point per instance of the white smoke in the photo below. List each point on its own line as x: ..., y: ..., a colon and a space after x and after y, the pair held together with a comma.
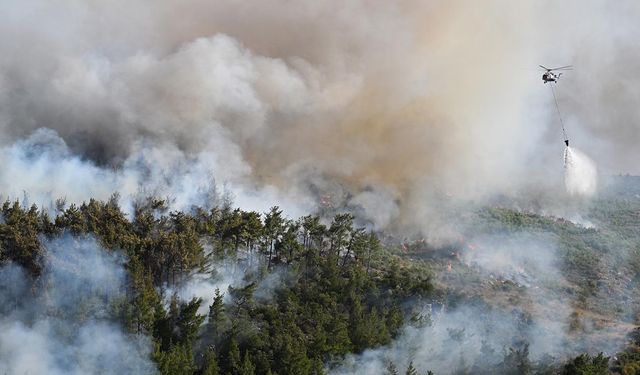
x: 93, y: 348
x: 235, y: 274
x: 42, y: 168
x: 524, y: 259
x: 453, y: 343
x: 65, y: 327
x: 521, y: 280
x: 204, y: 284
x: 580, y: 173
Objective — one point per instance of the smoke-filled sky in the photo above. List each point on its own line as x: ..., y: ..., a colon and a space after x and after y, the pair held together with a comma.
x: 288, y: 100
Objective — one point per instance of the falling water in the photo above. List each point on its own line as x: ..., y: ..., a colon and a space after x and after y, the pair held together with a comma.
x: 580, y: 174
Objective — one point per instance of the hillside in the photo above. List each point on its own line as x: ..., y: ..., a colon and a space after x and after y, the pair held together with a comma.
x: 235, y: 292
x: 570, y: 287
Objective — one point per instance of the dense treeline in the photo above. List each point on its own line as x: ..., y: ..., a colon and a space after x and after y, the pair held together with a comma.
x: 342, y: 293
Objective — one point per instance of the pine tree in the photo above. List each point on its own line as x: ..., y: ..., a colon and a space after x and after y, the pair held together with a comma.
x: 216, y: 310
x: 411, y: 370
x: 234, y: 363
x: 392, y: 369
x: 210, y: 365
x: 189, y: 321
x: 176, y: 361
x: 247, y: 366
x: 145, y: 299
x: 339, y: 233
x: 273, y: 230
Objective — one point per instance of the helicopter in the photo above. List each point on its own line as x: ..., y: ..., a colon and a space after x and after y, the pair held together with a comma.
x: 550, y: 76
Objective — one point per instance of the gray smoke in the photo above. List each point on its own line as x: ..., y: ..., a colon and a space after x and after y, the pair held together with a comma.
x: 231, y: 273
x: 407, y: 96
x: 64, y: 328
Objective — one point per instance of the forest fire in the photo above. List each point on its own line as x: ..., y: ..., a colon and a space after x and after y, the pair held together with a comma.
x: 283, y: 187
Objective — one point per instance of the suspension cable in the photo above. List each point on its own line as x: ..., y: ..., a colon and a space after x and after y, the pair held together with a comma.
x: 553, y: 92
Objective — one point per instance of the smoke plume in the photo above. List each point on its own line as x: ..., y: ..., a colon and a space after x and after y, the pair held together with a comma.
x: 65, y: 328
x: 405, y: 97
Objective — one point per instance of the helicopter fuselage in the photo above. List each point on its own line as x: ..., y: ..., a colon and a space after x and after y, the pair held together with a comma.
x: 550, y: 77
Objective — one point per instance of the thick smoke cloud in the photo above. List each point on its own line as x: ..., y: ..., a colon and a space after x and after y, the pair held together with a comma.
x: 42, y: 169
x: 313, y: 98
x: 65, y: 329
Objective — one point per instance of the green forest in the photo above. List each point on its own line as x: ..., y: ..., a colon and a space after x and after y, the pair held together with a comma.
x: 345, y: 290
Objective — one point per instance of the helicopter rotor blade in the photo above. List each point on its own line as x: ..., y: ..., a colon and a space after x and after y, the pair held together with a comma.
x: 566, y: 67
x: 543, y: 67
